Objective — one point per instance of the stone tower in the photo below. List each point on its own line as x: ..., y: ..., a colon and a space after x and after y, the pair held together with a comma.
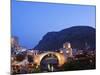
x: 67, y: 49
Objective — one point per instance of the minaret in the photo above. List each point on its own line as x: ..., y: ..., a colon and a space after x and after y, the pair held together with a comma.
x: 86, y: 46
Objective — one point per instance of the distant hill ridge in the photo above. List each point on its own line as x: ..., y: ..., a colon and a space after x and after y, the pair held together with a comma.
x: 76, y: 35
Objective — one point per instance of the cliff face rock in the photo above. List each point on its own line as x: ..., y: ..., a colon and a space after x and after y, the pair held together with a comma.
x: 78, y: 36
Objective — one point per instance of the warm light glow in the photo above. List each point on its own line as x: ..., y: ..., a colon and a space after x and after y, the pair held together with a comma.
x: 61, y: 59
x: 61, y: 51
x: 67, y: 51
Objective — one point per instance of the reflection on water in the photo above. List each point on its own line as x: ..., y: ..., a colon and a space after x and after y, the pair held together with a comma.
x: 50, y: 67
x: 49, y: 63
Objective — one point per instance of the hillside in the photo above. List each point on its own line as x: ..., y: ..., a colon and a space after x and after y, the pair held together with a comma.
x: 78, y: 36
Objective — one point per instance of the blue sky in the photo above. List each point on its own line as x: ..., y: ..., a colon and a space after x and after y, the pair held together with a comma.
x: 32, y: 20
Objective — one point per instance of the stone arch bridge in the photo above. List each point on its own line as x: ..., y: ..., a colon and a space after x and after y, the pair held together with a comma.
x: 60, y: 58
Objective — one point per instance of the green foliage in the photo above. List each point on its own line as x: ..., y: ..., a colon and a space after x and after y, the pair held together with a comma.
x: 36, y: 70
x: 81, y: 64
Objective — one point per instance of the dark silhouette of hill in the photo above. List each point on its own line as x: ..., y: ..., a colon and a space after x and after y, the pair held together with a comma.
x: 78, y: 36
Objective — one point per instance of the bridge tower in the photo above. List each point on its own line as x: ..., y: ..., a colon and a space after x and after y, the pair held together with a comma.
x: 67, y: 49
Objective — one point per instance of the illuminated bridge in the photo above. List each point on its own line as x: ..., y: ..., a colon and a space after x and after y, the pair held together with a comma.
x: 53, y: 55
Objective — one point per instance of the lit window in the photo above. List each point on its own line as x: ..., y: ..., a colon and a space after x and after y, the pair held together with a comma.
x: 67, y: 51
